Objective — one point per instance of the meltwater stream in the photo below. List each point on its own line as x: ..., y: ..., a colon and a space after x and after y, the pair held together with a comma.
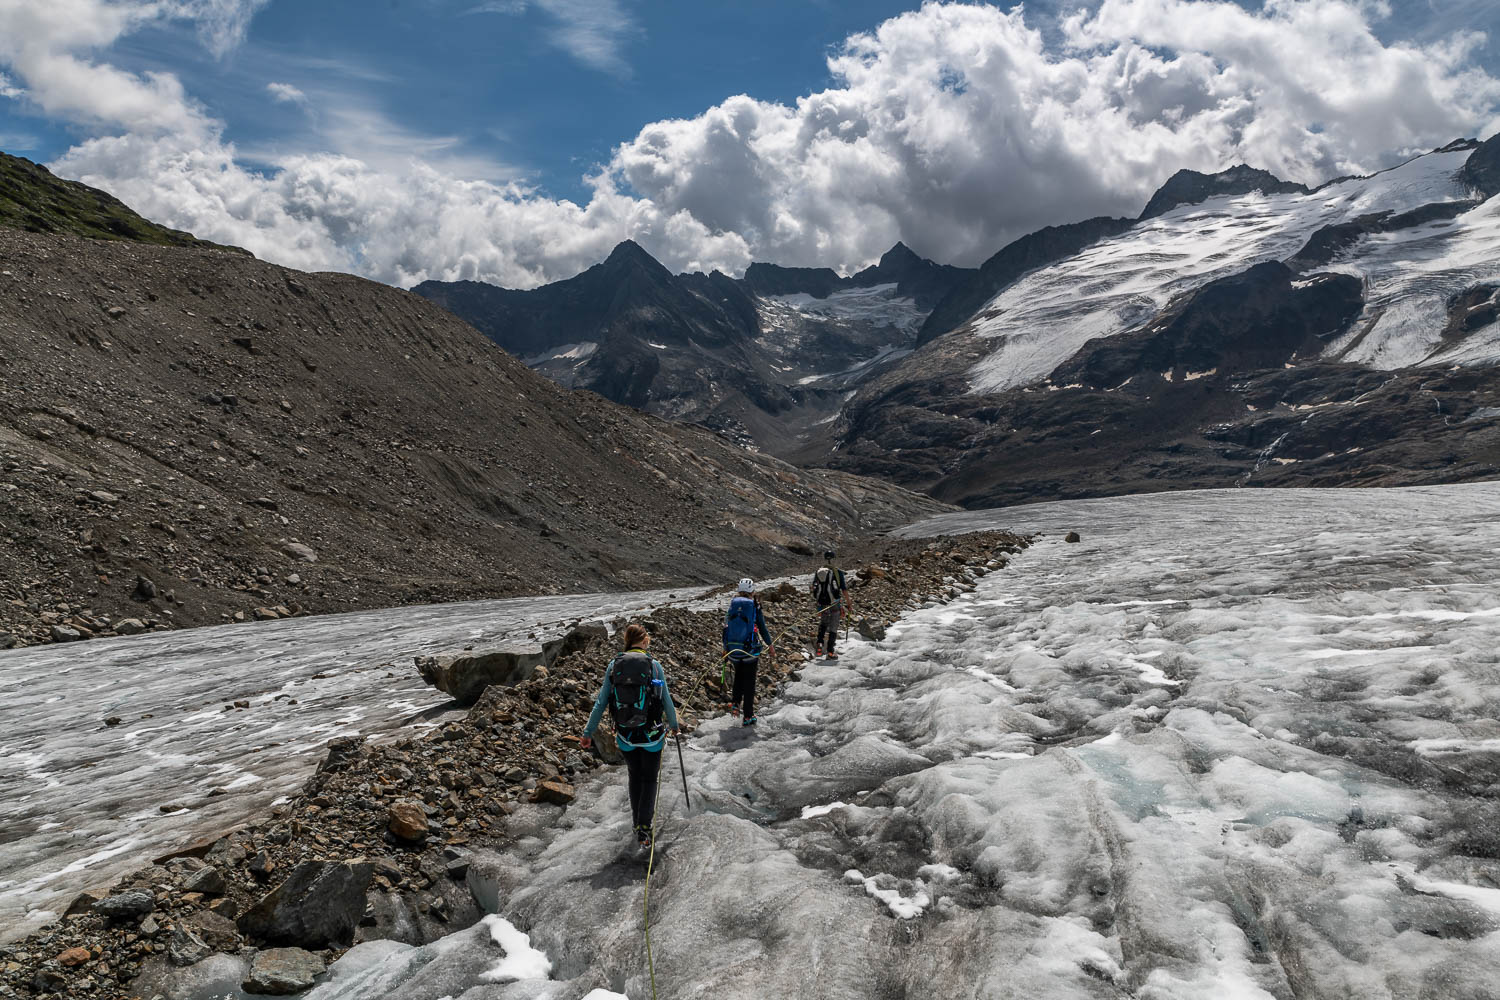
x: 80, y: 802
x: 1233, y: 745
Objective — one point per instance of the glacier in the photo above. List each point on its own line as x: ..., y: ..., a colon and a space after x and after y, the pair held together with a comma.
x: 1234, y: 744
x: 1118, y: 284
x: 80, y: 801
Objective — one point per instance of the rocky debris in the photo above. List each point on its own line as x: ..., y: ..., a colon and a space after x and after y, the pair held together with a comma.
x: 386, y: 466
x: 283, y: 971
x: 461, y: 781
x: 1072, y: 536
x: 300, y: 552
x: 186, y: 948
x: 319, y: 904
x: 408, y: 821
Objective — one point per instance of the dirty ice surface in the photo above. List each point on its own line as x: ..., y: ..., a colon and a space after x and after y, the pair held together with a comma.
x: 80, y: 802
x: 1233, y: 745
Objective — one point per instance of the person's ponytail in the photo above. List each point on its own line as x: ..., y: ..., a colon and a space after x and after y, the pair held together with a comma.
x: 635, y: 635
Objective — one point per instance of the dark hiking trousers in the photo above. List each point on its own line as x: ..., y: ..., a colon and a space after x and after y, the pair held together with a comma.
x: 828, y: 622
x: 743, y: 692
x: 643, y: 766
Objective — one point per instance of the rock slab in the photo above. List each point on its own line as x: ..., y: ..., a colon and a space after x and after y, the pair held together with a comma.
x: 283, y: 972
x: 319, y: 905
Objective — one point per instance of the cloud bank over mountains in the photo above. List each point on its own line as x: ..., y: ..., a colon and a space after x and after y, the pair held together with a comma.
x: 955, y: 127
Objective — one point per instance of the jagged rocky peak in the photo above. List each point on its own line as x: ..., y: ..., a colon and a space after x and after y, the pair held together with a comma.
x: 1190, y: 187
x: 773, y: 279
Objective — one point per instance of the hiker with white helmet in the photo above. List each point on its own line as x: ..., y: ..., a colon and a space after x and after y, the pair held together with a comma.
x: 744, y: 628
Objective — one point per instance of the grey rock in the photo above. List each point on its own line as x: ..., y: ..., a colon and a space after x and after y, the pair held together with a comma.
x: 7, y: 641
x: 126, y: 905
x: 130, y: 626
x: 320, y: 904
x: 103, y: 496
x: 217, y: 930
x: 207, y: 880
x: 62, y: 633
x: 297, y: 550
x: 464, y: 675
x: 145, y: 589
x: 186, y: 948
x: 283, y: 972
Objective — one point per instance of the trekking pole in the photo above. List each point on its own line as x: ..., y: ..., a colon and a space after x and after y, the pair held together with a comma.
x: 682, y: 766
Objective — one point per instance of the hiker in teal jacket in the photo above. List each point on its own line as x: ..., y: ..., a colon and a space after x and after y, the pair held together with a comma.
x: 635, y: 689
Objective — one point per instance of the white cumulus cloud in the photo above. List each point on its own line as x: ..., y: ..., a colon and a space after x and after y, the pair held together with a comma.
x: 955, y: 127
x: 592, y: 31
x: 285, y: 93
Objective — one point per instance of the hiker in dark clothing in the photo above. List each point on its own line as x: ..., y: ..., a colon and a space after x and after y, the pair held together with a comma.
x: 831, y: 594
x: 744, y: 628
x: 635, y: 689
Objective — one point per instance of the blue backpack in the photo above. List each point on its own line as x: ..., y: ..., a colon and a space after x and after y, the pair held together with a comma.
x: 739, y: 627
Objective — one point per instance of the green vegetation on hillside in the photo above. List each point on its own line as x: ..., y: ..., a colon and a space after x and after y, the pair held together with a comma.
x: 31, y: 198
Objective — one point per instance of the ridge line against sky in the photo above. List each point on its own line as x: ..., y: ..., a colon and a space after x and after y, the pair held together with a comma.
x: 954, y: 127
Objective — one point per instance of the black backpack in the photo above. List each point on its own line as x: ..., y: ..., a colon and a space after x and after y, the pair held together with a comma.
x: 636, y: 703
x: 828, y: 587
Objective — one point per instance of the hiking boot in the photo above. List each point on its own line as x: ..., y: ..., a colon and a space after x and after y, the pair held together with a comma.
x: 749, y: 722
x: 735, y: 711
x: 643, y: 836
x: 819, y: 650
x: 831, y: 655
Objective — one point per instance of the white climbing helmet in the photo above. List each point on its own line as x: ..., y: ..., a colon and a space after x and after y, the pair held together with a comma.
x: 747, y: 585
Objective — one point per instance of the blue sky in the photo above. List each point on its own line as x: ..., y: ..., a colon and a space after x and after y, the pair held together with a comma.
x: 453, y: 138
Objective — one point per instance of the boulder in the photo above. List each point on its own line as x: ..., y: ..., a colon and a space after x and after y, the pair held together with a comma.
x: 1072, y: 536
x: 216, y: 930
x: 319, y: 905
x: 299, y: 552
x: 207, y: 880
x: 283, y: 972
x: 126, y: 905
x: 464, y: 675
x: 84, y: 902
x: 130, y: 626
x: 186, y: 948
x: 62, y: 633
x: 407, y: 821
x: 145, y: 589
x: 555, y: 791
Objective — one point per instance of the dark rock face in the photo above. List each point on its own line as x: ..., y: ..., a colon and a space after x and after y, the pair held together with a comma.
x: 1247, y: 321
x: 1189, y: 187
x: 773, y: 279
x: 319, y: 905
x: 1482, y: 171
x: 692, y: 347
x: 1046, y: 246
x: 1327, y: 243
x: 1473, y: 309
x: 915, y: 277
x: 126, y: 906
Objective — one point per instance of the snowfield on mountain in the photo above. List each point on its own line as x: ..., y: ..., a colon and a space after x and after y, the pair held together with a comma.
x: 1233, y: 744
x: 1120, y: 283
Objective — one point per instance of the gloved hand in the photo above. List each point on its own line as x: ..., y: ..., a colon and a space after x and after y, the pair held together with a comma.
x: 587, y: 742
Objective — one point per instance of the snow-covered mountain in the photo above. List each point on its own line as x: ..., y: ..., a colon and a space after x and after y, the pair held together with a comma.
x: 1268, y: 334
x: 768, y: 358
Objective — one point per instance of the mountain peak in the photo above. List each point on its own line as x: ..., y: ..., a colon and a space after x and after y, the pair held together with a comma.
x: 1191, y: 187
x: 629, y: 250
x: 900, y: 254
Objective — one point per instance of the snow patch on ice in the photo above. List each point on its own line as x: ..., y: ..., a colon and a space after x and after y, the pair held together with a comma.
x: 521, y: 960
